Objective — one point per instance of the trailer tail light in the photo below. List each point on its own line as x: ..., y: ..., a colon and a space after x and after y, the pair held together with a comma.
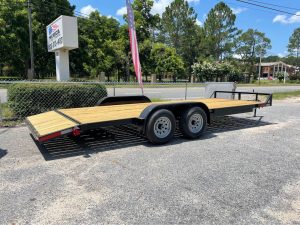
x: 75, y: 132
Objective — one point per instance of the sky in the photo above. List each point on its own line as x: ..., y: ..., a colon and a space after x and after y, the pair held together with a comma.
x: 278, y: 26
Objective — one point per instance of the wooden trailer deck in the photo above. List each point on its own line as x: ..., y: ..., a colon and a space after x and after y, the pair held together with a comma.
x: 65, y: 119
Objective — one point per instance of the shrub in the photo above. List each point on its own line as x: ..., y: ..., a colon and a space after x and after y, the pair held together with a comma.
x: 27, y: 99
x: 280, y: 76
x: 295, y: 77
x: 209, y: 71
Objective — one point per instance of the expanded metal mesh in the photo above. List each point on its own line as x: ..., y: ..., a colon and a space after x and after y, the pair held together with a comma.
x: 211, y: 87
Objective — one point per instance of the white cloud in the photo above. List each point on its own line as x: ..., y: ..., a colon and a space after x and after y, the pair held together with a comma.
x: 237, y: 56
x: 238, y: 10
x: 284, y: 54
x: 287, y: 20
x: 280, y: 55
x: 110, y: 16
x: 87, y: 10
x: 199, y: 23
x: 122, y: 11
x: 160, y: 6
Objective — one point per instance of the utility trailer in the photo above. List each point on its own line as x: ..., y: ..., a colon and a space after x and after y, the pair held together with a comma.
x: 157, y: 121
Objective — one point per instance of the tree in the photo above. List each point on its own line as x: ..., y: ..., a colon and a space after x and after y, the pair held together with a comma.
x: 220, y: 31
x: 166, y: 61
x: 146, y: 25
x: 145, y: 21
x: 44, y: 12
x: 250, y: 45
x: 14, y: 38
x: 179, y: 30
x: 14, y: 50
x: 294, y: 44
x: 96, y: 36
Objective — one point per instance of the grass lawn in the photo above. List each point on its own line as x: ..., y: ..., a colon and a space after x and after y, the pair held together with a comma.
x: 284, y: 95
x: 8, y: 117
x: 272, y: 83
x: 5, y: 111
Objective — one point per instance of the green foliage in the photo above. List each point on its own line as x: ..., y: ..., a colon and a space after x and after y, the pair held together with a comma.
x: 180, y: 31
x: 294, y: 45
x: 27, y: 99
x: 145, y: 21
x: 170, y: 44
x: 216, y: 71
x: 280, y: 76
x: 295, y: 77
x: 14, y: 36
x: 166, y: 61
x: 220, y: 31
x: 249, y: 46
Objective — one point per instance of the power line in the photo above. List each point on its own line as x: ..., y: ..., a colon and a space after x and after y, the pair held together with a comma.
x: 67, y: 8
x: 247, y: 7
x: 29, y: 5
x: 281, y: 6
x: 75, y: 13
x: 266, y: 7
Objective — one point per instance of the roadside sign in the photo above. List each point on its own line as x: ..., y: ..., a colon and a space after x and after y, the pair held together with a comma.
x: 62, y: 33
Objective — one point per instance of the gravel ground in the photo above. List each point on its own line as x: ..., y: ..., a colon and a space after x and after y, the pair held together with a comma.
x: 243, y: 171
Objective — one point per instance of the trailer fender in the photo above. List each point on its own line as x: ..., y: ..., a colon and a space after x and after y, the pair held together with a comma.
x: 118, y: 100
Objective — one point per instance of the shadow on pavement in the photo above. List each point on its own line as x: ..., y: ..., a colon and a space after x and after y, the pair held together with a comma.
x: 2, y: 153
x: 127, y: 136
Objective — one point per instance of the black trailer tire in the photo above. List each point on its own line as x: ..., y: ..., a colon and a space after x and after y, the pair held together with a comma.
x: 193, y: 122
x: 160, y: 127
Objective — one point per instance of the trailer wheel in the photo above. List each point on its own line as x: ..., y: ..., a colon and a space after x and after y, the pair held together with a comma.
x: 193, y: 122
x: 160, y: 127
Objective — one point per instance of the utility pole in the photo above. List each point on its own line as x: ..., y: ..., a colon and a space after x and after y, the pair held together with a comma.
x: 31, y: 72
x: 259, y: 69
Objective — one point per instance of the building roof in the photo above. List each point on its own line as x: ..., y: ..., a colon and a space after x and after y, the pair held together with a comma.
x: 275, y: 64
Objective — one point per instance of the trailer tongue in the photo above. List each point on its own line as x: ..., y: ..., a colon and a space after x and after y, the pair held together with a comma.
x: 156, y: 119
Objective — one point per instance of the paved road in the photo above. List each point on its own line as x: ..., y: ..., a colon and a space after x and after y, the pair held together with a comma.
x: 243, y: 171
x: 177, y: 93
x: 193, y: 92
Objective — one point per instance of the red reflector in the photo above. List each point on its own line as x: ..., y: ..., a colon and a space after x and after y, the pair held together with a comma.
x: 50, y: 136
x: 76, y: 132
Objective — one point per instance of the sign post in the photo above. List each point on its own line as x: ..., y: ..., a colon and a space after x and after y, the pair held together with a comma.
x: 62, y: 36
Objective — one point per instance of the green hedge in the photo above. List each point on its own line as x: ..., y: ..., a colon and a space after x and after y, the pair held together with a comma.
x: 27, y: 99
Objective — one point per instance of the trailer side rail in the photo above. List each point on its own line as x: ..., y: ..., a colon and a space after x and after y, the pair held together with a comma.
x: 267, y: 102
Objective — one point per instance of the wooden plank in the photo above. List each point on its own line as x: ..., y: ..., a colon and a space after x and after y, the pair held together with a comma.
x: 50, y: 122
x: 120, y: 112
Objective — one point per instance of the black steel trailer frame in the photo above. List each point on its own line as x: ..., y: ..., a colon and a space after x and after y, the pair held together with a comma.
x: 176, y: 108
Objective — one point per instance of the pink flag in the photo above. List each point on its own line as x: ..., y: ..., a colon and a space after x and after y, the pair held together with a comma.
x: 134, y: 44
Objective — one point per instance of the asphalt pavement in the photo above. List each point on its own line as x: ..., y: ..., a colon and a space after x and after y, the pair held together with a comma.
x: 244, y: 170
x: 193, y: 92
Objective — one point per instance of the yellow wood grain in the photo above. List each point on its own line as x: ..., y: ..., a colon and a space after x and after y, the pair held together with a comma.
x: 50, y: 122
x: 120, y: 112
